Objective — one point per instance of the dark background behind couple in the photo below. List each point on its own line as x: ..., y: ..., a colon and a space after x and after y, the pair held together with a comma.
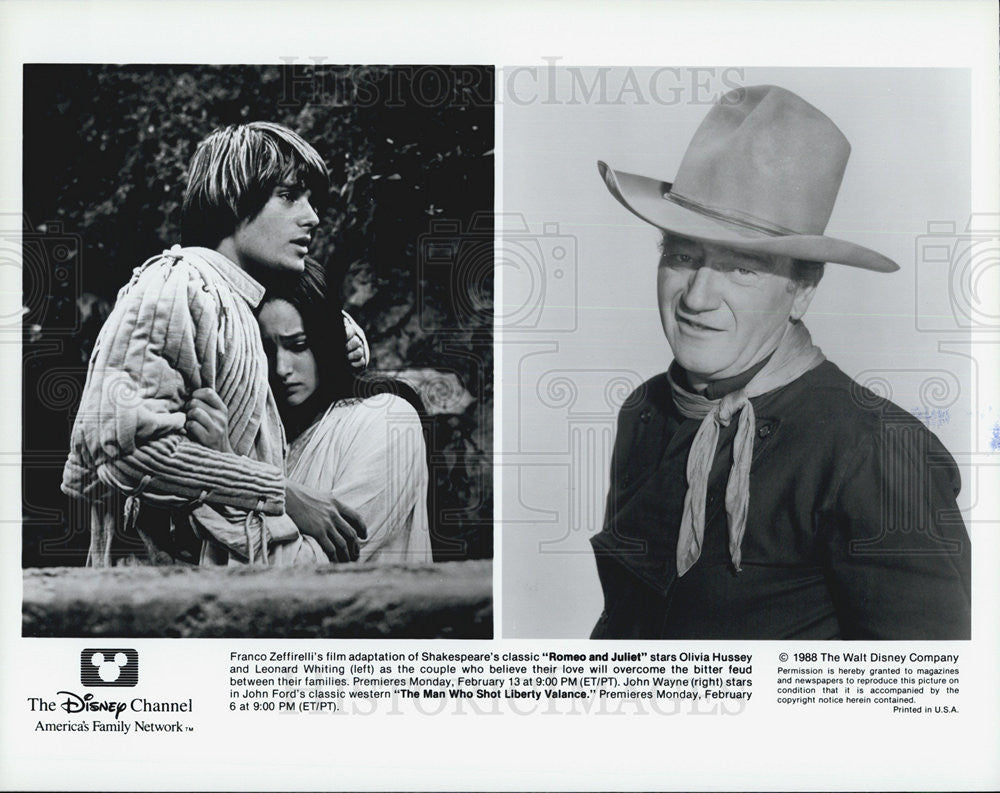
x: 407, y: 235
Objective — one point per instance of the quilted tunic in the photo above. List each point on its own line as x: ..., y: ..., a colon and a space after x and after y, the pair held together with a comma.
x: 184, y: 321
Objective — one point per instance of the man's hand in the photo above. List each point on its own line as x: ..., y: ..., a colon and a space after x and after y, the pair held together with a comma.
x: 357, y: 347
x: 335, y: 526
x: 208, y: 420
x: 356, y: 352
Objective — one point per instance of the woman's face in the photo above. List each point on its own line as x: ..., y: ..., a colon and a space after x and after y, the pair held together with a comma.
x: 291, y: 364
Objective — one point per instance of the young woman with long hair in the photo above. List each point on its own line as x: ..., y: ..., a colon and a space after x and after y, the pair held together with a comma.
x: 360, y: 442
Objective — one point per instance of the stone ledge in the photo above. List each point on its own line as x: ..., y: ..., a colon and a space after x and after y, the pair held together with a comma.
x: 448, y: 600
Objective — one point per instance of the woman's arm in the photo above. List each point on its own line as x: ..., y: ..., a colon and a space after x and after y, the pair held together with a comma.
x: 335, y: 526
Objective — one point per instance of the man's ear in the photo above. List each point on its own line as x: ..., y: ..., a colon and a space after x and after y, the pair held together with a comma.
x: 803, y: 297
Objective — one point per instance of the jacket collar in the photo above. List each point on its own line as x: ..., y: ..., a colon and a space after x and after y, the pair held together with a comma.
x: 235, y: 276
x: 719, y: 388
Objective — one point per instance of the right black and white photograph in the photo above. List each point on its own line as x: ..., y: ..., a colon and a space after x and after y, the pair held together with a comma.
x: 747, y: 408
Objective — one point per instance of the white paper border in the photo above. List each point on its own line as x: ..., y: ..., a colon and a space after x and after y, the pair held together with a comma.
x: 508, y: 752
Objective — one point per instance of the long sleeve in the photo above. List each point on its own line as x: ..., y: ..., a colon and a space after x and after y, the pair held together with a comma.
x: 172, y: 329
x: 899, y: 555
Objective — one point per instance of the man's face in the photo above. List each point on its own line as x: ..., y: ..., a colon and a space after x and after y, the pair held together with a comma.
x: 724, y: 310
x: 278, y: 237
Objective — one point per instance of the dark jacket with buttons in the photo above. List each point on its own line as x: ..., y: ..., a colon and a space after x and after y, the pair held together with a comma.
x: 853, y: 531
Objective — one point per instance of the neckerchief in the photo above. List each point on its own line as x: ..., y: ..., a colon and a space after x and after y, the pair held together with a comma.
x: 794, y: 356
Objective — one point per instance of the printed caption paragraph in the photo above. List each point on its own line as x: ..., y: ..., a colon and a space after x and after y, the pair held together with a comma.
x: 667, y: 682
x: 319, y: 681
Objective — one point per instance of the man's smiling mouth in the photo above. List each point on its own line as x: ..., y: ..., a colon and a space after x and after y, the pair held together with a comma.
x: 693, y: 324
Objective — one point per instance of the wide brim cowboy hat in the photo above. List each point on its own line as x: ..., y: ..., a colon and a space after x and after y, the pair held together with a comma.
x: 761, y: 174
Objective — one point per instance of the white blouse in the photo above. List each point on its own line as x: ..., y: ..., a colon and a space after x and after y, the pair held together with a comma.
x: 369, y: 454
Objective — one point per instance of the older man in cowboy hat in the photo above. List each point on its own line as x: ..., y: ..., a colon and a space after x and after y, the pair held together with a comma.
x: 756, y: 490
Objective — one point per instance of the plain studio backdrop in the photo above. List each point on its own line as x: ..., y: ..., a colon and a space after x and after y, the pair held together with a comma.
x: 577, y: 314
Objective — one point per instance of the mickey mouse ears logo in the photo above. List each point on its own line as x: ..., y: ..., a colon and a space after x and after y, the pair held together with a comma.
x: 109, y: 666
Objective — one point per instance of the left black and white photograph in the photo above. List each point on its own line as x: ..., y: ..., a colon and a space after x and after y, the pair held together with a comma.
x: 257, y: 350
